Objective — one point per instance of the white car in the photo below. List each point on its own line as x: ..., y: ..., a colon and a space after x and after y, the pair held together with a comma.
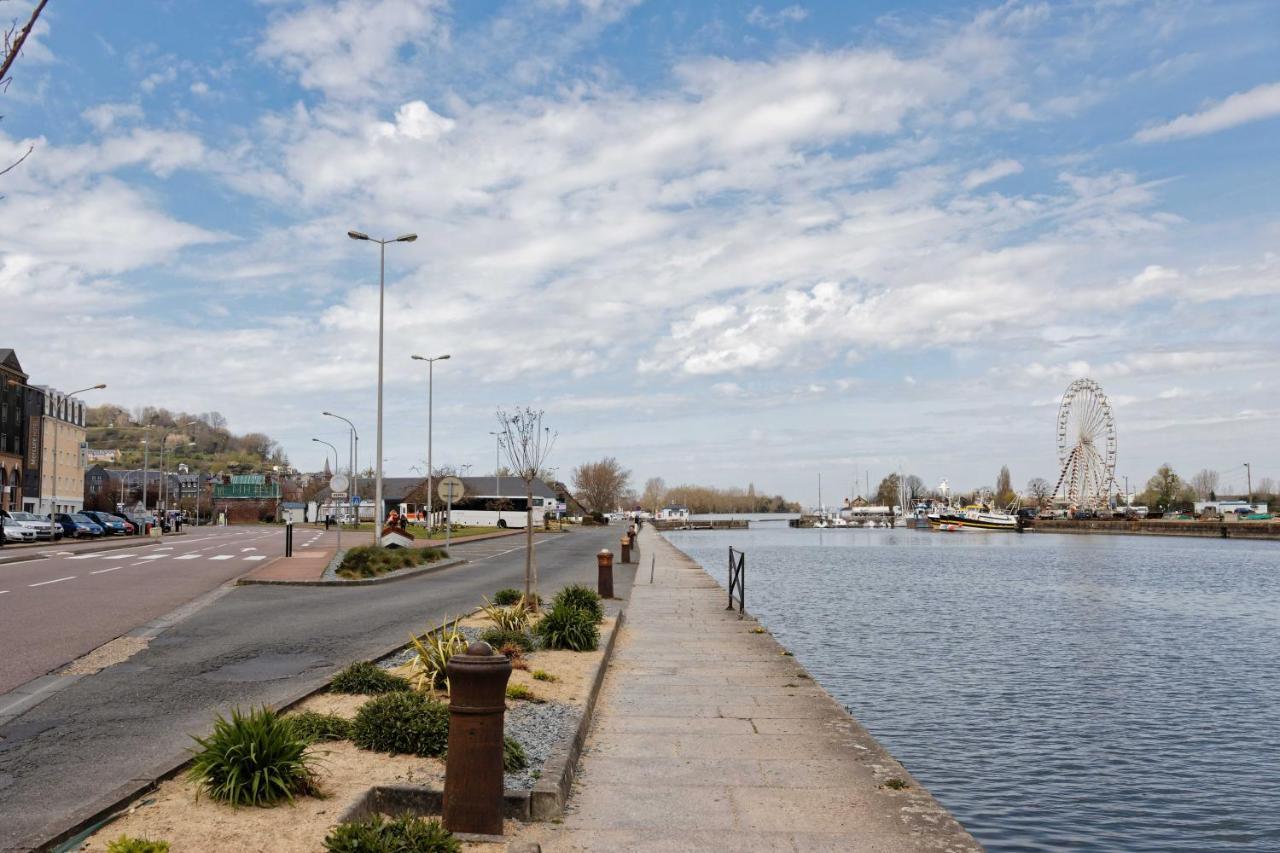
x: 44, y: 528
x: 14, y: 532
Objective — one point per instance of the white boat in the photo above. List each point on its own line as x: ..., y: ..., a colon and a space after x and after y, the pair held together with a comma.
x: 972, y: 518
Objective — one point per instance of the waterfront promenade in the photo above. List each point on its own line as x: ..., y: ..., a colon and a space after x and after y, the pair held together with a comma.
x: 709, y: 736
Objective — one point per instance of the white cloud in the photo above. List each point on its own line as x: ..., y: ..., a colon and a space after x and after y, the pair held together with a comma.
x: 1260, y: 102
x: 773, y: 20
x: 104, y: 116
x: 993, y: 172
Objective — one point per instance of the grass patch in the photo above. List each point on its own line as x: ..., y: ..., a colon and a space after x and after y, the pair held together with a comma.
x: 363, y: 677
x: 893, y: 783
x: 499, y: 639
x: 402, y: 724
x: 431, y: 666
x: 125, y: 844
x: 543, y: 675
x: 582, y: 597
x: 567, y: 627
x: 254, y: 759
x: 507, y: 597
x: 513, y: 757
x: 404, y: 834
x: 521, y: 693
x: 370, y: 561
x: 312, y: 726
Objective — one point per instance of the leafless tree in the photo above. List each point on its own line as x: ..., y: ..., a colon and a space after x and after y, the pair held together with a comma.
x: 1039, y: 489
x: 526, y: 444
x: 1205, y: 483
x: 14, y: 38
x: 655, y: 492
x: 599, y: 485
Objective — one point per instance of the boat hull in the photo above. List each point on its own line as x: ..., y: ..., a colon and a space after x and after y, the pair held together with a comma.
x: 956, y: 522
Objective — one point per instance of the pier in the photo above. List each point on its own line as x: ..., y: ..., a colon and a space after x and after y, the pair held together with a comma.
x: 1163, y: 527
x: 708, y: 524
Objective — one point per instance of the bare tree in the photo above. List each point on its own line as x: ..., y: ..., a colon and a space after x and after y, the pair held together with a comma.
x: 655, y: 492
x: 13, y: 41
x: 1039, y: 489
x: 600, y: 484
x: 1205, y: 483
x: 526, y: 444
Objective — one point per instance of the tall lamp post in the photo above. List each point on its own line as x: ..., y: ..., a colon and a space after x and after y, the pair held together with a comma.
x: 335, y: 459
x: 53, y: 492
x: 497, y: 462
x: 382, y: 294
x: 1248, y: 471
x: 353, y: 445
x: 431, y: 369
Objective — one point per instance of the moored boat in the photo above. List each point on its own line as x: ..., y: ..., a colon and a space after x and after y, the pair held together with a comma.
x: 972, y: 518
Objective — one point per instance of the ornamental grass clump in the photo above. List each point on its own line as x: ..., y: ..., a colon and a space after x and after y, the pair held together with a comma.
x: 313, y: 726
x: 583, y: 598
x: 513, y: 618
x: 402, y: 724
x: 507, y: 597
x: 125, y: 844
x: 567, y: 627
x: 254, y: 759
x: 431, y: 663
x: 405, y: 834
x: 368, y: 678
x: 513, y: 757
x: 499, y: 639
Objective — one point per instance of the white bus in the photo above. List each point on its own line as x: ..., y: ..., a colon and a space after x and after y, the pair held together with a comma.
x: 487, y: 511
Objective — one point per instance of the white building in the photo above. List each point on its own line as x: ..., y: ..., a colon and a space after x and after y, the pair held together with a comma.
x: 675, y: 512
x: 1228, y: 507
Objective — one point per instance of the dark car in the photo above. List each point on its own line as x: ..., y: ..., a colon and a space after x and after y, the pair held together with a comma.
x: 78, y: 525
x: 110, y: 524
x: 140, y: 522
x: 1028, y: 513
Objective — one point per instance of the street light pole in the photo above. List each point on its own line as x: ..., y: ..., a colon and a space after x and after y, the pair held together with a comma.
x: 431, y: 369
x: 1248, y: 472
x: 497, y: 462
x: 335, y: 463
x: 353, y: 448
x: 53, y: 491
x: 382, y: 290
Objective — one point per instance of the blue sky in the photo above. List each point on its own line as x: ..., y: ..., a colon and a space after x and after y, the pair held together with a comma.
x: 724, y: 242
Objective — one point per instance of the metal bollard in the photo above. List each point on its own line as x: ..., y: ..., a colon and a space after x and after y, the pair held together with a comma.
x: 288, y: 539
x: 604, y: 573
x: 473, y: 768
x: 625, y: 549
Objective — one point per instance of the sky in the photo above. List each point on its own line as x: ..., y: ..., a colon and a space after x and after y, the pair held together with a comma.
x: 726, y: 243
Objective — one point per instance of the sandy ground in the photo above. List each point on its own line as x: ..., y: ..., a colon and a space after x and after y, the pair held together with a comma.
x: 174, y: 813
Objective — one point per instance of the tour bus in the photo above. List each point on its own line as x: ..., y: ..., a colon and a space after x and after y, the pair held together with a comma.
x: 507, y: 511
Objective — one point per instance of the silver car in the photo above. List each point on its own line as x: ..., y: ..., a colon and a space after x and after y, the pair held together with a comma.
x: 43, y: 527
x: 14, y: 532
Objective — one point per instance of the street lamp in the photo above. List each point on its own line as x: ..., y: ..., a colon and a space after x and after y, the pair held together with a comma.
x: 382, y: 291
x: 431, y: 369
x: 53, y: 492
x: 497, y: 463
x: 353, y: 445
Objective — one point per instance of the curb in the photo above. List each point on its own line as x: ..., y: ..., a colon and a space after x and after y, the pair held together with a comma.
x: 403, y: 574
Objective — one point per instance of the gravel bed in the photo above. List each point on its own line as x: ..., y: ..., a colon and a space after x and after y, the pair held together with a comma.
x: 407, y: 654
x: 538, y: 727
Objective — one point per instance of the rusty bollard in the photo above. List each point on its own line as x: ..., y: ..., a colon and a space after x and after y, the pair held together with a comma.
x: 625, y: 549
x: 473, y: 769
x: 604, y: 573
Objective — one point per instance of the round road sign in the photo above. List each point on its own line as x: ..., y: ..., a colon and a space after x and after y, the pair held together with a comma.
x: 338, y: 483
x: 450, y: 489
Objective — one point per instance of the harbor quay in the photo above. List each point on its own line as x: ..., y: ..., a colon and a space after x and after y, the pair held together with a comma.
x: 710, y: 736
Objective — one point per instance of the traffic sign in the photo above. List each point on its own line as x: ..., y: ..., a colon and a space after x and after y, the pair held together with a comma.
x: 450, y: 489
x: 356, y: 500
x: 338, y: 483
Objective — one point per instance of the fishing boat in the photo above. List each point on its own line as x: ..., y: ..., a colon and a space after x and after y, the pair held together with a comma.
x: 972, y: 517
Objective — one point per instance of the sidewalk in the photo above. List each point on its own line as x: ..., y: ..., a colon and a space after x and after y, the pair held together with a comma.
x: 708, y: 737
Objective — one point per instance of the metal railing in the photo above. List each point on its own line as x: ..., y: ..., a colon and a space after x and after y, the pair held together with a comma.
x: 738, y: 579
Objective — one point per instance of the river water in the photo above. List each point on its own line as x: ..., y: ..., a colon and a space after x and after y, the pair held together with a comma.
x: 1053, y: 691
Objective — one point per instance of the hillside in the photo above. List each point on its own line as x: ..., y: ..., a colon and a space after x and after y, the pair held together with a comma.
x: 202, y: 441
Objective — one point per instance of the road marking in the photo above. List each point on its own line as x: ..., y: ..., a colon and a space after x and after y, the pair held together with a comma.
x: 58, y: 580
x: 154, y: 557
x: 104, y: 571
x: 188, y: 557
x: 257, y: 557
x: 165, y: 548
x: 223, y: 557
x: 3, y: 591
x: 86, y: 557
x: 242, y: 550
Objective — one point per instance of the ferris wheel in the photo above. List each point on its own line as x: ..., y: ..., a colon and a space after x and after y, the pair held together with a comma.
x: 1086, y: 446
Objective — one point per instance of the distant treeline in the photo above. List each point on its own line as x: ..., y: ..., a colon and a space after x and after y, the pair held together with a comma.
x: 702, y: 499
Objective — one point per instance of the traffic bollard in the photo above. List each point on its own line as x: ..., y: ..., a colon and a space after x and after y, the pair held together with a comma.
x: 473, y: 767
x: 288, y: 539
x: 625, y: 549
x: 604, y: 573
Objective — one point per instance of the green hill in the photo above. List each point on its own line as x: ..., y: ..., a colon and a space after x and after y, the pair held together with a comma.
x: 202, y: 441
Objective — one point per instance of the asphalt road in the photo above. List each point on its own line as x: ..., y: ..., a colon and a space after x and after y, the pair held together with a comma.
x: 54, y: 610
x: 71, y: 755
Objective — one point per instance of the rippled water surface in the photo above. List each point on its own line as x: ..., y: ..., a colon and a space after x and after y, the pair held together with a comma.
x: 1054, y: 691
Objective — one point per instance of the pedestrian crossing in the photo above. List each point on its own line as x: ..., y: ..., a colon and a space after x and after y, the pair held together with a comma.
x: 133, y: 555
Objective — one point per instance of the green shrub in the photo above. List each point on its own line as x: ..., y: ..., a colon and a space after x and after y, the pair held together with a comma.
x: 543, y: 675
x: 507, y: 597
x: 125, y: 844
x: 583, y: 598
x: 404, y: 834
x: 367, y: 678
x: 312, y: 726
x: 513, y: 618
x: 522, y: 693
x: 370, y: 561
x: 567, y: 627
x: 402, y: 724
x: 433, y: 653
x: 497, y: 638
x: 255, y: 759
x: 513, y: 757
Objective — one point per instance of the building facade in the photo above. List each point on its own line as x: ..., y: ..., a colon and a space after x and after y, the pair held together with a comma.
x: 59, y: 479
x: 13, y: 430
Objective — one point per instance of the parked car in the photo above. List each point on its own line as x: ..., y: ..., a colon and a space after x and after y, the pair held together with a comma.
x: 17, y: 533
x: 78, y: 525
x: 1028, y: 512
x: 110, y: 524
x: 44, y: 528
x: 140, y: 521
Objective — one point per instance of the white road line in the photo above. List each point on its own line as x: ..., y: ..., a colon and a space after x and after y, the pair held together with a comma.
x: 188, y: 557
x: 104, y: 571
x: 242, y: 550
x: 223, y: 557
x: 154, y: 557
x: 3, y: 591
x: 58, y: 580
x: 118, y: 556
x: 257, y: 557
x: 84, y: 557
